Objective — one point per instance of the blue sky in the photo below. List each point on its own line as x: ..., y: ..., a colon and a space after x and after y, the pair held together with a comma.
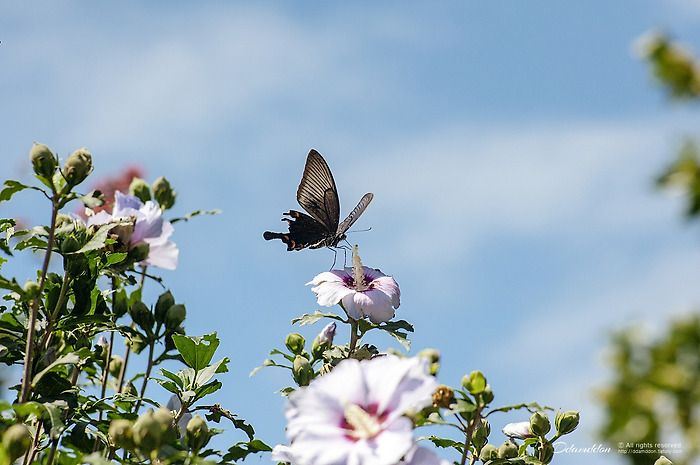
x: 511, y: 147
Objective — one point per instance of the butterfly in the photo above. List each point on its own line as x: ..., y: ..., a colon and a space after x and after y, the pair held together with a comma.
x: 317, y: 195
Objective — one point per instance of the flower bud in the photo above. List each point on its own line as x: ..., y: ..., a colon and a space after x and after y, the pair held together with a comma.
x: 519, y: 430
x: 167, y: 423
x: 508, y: 450
x: 197, y: 433
x: 77, y: 167
x: 140, y: 189
x: 566, y: 422
x: 481, y: 434
x: 129, y: 388
x: 120, y: 430
x: 70, y: 244
x: 474, y: 383
x: 139, y: 252
x: 487, y: 394
x: 548, y: 453
x: 142, y: 315
x: 302, y: 371
x: 115, y: 365
x: 163, y: 193
x: 434, y: 357
x: 120, y: 306
x: 295, y: 343
x: 136, y: 343
x: 663, y: 461
x: 165, y: 301
x: 443, y: 396
x: 153, y: 429
x: 488, y: 452
x: 327, y: 333
x: 147, y: 432
x: 43, y: 160
x: 16, y: 441
x: 539, y: 424
x: 31, y: 288
x: 174, y: 316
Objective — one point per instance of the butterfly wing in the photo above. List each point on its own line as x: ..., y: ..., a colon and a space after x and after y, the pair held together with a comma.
x: 354, y: 214
x: 304, y: 231
x: 317, y: 193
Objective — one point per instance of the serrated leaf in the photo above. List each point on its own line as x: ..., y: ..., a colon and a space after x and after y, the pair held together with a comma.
x: 178, y: 380
x: 445, y: 443
x: 307, y: 319
x: 98, y: 240
x: 196, y: 351
x: 207, y: 389
x: 531, y: 407
x: 168, y: 385
x: 204, y: 375
x: 117, y: 257
x: 92, y: 199
x: 12, y: 187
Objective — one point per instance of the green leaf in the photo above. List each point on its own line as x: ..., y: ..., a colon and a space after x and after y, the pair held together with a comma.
x: 11, y: 285
x: 531, y: 407
x: 116, y: 258
x: 307, y: 319
x: 242, y: 449
x: 206, y: 389
x: 204, y: 375
x: 172, y: 376
x: 195, y: 213
x: 92, y: 199
x: 168, y: 385
x: 196, y: 351
x: 445, y: 443
x: 50, y: 411
x: 267, y: 363
x: 98, y: 241
x: 12, y: 187
x: 71, y: 358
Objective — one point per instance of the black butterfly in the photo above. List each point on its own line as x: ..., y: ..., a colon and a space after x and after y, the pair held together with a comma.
x: 317, y: 195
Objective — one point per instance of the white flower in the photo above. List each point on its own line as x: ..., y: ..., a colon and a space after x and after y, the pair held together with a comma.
x: 149, y: 227
x: 375, y: 295
x: 519, y: 430
x: 423, y: 456
x: 354, y: 415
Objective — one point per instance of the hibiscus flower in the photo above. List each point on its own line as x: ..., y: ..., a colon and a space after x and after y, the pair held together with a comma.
x: 360, y: 290
x: 355, y: 415
x: 149, y: 228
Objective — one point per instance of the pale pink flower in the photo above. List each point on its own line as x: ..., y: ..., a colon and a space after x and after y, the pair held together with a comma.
x: 355, y: 415
x: 519, y: 430
x: 422, y: 456
x: 368, y: 292
x: 149, y: 227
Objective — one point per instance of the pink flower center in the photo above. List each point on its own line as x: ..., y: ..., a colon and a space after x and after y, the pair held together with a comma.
x: 359, y: 285
x: 361, y: 423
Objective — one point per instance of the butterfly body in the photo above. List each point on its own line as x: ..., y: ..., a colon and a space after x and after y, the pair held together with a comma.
x: 317, y: 195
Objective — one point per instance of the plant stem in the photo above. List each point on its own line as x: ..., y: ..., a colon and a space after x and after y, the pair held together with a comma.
x: 151, y: 348
x: 46, y: 340
x: 52, y: 452
x: 353, y: 336
x: 468, y: 436
x: 28, y: 372
x: 29, y: 456
x: 120, y: 381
